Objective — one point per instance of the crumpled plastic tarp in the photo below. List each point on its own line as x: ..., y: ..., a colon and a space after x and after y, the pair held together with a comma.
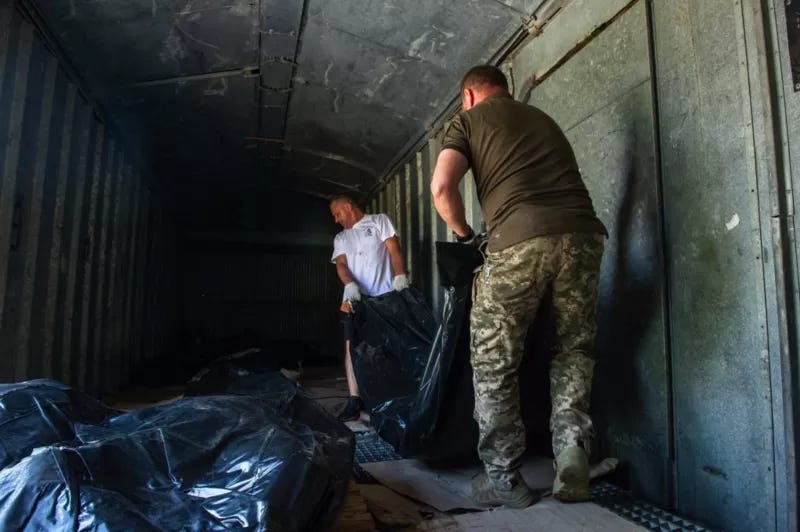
x: 414, y: 372
x: 263, y: 457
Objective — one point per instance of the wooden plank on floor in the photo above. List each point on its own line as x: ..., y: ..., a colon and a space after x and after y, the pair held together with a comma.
x: 389, y: 508
x: 354, y: 515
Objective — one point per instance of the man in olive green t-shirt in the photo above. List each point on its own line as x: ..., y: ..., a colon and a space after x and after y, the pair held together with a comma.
x: 543, y: 233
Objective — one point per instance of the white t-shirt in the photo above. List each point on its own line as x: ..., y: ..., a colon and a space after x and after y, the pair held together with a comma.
x: 367, y: 256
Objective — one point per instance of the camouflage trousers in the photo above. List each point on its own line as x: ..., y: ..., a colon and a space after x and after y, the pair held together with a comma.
x: 506, y: 295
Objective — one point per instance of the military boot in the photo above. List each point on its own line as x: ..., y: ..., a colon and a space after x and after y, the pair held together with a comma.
x: 572, y: 476
x: 485, y: 492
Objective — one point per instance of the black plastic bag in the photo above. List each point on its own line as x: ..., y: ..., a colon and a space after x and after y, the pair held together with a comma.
x: 394, y: 335
x: 42, y: 412
x: 417, y: 380
x: 423, y: 404
x: 263, y: 457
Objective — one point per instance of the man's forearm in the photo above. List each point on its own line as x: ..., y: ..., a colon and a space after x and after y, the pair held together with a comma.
x: 397, y: 265
x: 396, y: 255
x: 448, y: 173
x: 344, y: 273
x: 450, y: 206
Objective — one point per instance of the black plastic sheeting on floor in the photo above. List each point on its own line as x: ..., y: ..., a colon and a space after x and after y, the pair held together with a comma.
x: 264, y: 457
x: 414, y: 372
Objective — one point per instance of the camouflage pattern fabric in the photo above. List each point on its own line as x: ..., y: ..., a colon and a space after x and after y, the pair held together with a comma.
x: 506, y: 296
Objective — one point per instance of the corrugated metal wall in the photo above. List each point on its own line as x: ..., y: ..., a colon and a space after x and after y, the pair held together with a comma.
x: 685, y: 121
x: 87, y: 251
x: 406, y: 198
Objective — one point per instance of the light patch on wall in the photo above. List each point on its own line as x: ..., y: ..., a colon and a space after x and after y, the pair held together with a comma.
x: 732, y: 223
x: 217, y: 88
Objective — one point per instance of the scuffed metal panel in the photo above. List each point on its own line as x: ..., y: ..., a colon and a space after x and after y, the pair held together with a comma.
x: 602, y: 99
x: 158, y: 38
x: 270, y: 89
x: 723, y: 417
x: 578, y: 21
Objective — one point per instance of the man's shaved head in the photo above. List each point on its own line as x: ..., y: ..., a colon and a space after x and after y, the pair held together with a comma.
x: 345, y: 198
x: 345, y: 210
x: 484, y: 76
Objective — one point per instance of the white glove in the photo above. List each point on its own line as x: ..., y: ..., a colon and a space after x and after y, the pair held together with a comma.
x: 351, y: 292
x: 400, y: 282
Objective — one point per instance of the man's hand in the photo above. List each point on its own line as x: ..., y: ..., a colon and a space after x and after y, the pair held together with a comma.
x: 352, y: 292
x: 466, y: 239
x: 400, y: 282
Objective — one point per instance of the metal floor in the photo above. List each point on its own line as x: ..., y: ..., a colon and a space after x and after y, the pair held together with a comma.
x: 370, y: 448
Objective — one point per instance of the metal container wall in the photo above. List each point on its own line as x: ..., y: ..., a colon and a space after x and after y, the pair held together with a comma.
x: 684, y: 120
x: 86, y: 246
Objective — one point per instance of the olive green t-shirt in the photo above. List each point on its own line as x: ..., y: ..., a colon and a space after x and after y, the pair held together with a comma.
x: 525, y: 171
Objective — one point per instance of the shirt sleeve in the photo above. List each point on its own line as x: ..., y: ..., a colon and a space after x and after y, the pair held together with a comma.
x: 338, y: 247
x: 457, y: 137
x: 386, y: 227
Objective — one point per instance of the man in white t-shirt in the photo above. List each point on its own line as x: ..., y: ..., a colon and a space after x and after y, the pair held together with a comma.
x: 369, y: 260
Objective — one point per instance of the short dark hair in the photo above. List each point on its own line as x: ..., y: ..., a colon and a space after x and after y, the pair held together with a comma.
x: 346, y: 198
x: 484, y: 75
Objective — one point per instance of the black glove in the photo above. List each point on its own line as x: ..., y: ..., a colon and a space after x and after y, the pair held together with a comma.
x: 467, y: 239
x: 478, y: 241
